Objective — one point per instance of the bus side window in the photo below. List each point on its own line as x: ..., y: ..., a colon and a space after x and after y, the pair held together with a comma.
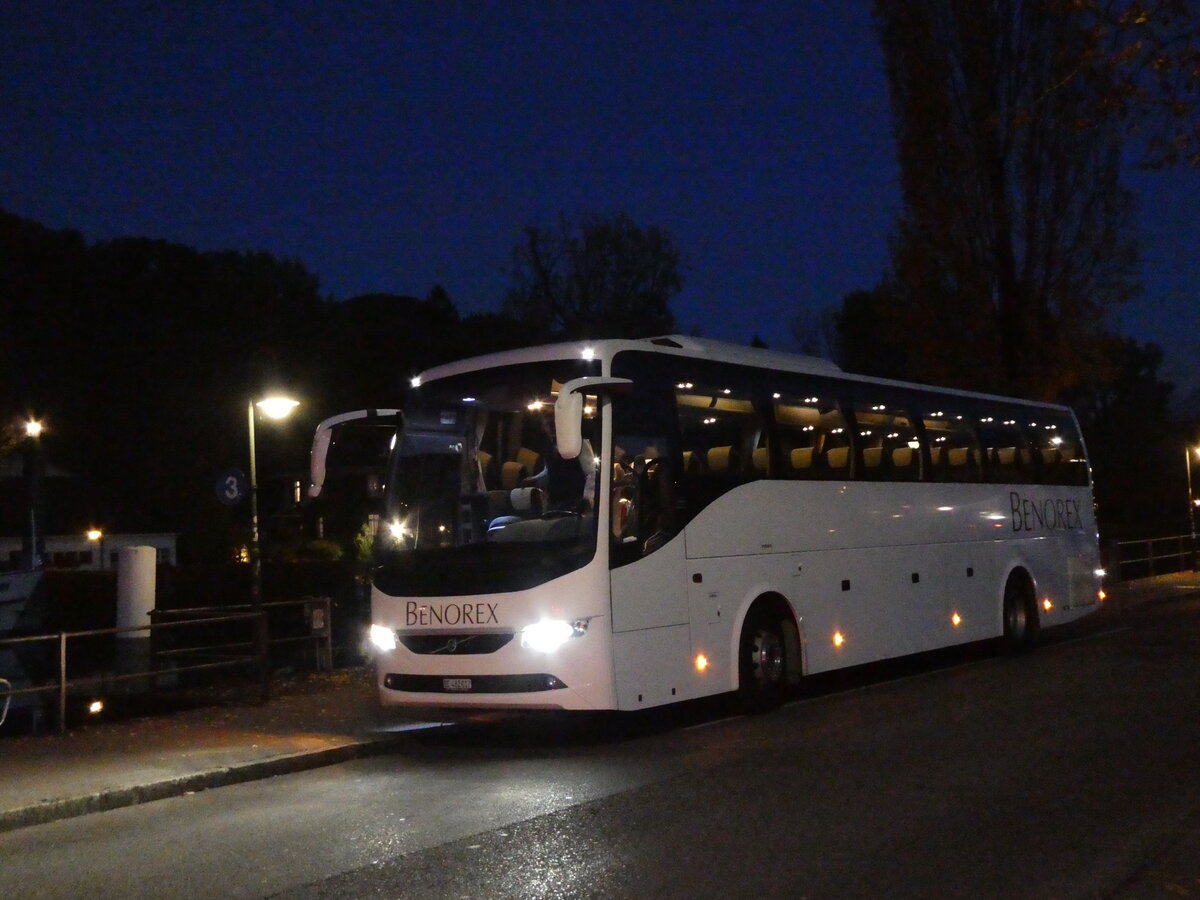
x: 813, y: 437
x: 1006, y: 454
x: 953, y: 447
x: 1057, y: 448
x: 723, y: 439
x: 643, y: 510
x: 887, y: 439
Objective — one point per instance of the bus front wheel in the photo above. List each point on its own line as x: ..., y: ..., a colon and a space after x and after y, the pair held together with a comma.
x: 762, y: 666
x: 1020, y: 615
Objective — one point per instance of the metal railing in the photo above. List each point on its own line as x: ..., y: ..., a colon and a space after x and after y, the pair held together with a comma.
x: 316, y: 625
x: 168, y: 657
x: 1149, y: 557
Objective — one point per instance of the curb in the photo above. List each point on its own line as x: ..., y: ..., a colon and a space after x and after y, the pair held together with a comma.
x: 118, y: 798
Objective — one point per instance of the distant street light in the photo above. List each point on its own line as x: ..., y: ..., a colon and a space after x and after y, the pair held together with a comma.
x: 96, y: 536
x: 272, y: 408
x: 33, y: 428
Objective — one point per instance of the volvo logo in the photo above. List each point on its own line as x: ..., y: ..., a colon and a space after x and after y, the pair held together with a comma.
x: 452, y: 644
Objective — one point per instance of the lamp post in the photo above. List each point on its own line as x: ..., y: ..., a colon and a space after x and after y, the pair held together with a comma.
x: 96, y: 536
x: 34, y: 548
x: 272, y: 408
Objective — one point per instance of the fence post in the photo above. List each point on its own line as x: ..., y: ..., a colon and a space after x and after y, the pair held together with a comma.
x: 319, y: 610
x: 62, y: 682
x: 328, y: 634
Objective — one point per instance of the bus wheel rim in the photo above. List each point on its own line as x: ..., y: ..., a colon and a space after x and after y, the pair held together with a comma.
x: 767, y: 657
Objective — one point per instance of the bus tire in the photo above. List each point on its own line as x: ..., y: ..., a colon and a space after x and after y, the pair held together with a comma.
x: 762, y: 662
x: 1020, y: 614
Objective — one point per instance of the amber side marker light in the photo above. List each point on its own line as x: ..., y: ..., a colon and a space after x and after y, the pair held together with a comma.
x: 1047, y: 605
x: 701, y: 662
x: 838, y: 639
x: 956, y: 619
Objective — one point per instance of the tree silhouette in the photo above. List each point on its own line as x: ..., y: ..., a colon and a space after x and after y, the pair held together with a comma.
x: 1144, y: 57
x: 605, y: 277
x: 1014, y: 238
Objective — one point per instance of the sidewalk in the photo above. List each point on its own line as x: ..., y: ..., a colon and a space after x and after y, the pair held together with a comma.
x: 311, y: 721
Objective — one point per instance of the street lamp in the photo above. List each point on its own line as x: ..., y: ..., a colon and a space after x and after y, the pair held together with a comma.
x: 272, y: 408
x: 96, y: 536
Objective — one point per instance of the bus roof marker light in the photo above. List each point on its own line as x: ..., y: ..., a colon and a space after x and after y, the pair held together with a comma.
x: 838, y: 639
x: 956, y: 619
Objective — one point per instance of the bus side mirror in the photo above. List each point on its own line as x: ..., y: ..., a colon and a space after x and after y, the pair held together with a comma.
x: 568, y: 409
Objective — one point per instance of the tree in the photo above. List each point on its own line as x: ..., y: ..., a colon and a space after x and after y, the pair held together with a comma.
x: 1014, y: 238
x: 863, y: 337
x: 1133, y: 445
x: 1145, y: 57
x: 606, y: 277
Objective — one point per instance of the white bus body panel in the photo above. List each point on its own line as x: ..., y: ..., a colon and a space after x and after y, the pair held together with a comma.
x: 892, y: 568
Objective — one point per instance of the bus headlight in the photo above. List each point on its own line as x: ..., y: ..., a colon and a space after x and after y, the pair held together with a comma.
x: 548, y: 635
x: 382, y: 638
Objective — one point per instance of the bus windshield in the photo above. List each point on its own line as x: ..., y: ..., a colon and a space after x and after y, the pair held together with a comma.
x: 478, y: 498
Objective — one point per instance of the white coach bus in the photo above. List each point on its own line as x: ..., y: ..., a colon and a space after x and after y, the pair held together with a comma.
x: 631, y: 523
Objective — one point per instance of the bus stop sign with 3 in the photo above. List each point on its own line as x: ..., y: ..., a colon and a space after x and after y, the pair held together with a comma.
x: 231, y: 487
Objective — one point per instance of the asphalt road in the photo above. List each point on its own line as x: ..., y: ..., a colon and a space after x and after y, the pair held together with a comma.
x: 1073, y: 771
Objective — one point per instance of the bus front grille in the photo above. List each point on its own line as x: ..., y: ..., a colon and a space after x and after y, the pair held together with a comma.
x: 455, y: 644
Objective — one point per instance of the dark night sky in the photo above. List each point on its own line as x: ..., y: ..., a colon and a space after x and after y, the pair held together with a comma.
x: 393, y: 145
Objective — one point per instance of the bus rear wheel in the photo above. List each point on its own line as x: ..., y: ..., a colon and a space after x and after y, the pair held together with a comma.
x: 762, y: 664
x: 1020, y: 615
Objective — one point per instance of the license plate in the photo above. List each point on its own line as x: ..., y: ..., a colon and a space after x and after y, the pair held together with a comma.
x: 456, y: 684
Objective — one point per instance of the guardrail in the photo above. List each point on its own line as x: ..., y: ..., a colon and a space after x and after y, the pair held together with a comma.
x: 316, y: 625
x: 169, y: 655
x: 1156, y: 556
